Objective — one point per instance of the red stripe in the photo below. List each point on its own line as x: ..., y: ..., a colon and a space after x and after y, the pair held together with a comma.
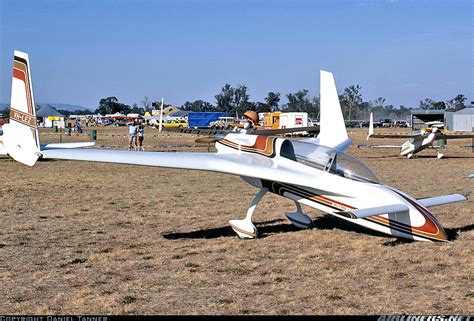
x: 19, y: 74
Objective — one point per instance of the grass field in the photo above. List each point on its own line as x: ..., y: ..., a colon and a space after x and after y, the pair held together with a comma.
x: 86, y: 238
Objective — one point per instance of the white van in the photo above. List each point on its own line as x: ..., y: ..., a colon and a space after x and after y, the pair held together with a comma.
x: 293, y: 120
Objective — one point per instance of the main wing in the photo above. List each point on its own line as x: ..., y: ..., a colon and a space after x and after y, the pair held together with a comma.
x: 248, y: 165
x: 454, y: 135
x: 394, y: 135
x: 260, y: 132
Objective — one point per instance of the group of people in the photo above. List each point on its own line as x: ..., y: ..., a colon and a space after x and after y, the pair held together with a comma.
x: 136, y: 134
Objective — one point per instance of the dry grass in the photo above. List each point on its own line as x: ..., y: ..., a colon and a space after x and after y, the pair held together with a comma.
x: 84, y: 238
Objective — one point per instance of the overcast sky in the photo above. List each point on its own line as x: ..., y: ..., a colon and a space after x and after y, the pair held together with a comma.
x: 82, y: 51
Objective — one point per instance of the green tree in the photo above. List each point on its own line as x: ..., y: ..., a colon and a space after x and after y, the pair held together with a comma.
x: 298, y: 101
x: 198, y: 105
x: 457, y: 103
x: 241, y: 100
x: 426, y: 104
x: 272, y: 100
x: 137, y: 110
x: 225, y: 99
x: 111, y: 105
x: 351, y: 98
x: 439, y: 105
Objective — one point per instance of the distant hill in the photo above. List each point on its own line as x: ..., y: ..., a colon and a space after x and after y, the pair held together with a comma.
x: 57, y: 106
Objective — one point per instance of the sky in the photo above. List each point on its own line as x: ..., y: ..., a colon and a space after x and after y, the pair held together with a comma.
x: 184, y: 50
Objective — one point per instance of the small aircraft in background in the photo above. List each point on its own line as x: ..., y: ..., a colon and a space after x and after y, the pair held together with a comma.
x: 435, y: 124
x: 314, y: 171
x: 3, y: 151
x: 418, y: 140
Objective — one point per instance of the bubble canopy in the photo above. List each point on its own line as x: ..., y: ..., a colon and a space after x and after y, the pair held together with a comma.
x: 333, y: 161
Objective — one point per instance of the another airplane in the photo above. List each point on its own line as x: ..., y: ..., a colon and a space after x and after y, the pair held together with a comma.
x: 315, y: 172
x: 3, y: 151
x: 418, y: 140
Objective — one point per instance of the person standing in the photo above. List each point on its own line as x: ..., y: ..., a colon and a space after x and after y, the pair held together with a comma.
x: 141, y: 135
x: 132, y: 134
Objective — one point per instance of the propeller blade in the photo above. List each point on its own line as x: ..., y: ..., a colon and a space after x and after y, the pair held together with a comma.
x: 206, y: 140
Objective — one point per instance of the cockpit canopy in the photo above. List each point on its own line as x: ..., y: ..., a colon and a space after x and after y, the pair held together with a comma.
x: 332, y: 161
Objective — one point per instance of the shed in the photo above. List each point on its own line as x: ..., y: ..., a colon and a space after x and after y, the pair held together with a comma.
x: 49, y: 117
x: 462, y: 120
x: 420, y: 117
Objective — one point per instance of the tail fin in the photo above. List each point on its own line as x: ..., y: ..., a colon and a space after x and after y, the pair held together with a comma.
x: 371, y: 126
x: 332, y: 126
x: 20, y: 136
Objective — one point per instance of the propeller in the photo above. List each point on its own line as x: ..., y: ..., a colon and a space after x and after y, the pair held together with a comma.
x: 207, y: 140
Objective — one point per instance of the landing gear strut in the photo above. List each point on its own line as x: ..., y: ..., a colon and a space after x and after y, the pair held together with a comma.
x: 245, y: 228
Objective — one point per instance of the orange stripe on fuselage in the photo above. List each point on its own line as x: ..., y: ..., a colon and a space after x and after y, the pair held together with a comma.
x: 263, y: 145
x: 20, y: 71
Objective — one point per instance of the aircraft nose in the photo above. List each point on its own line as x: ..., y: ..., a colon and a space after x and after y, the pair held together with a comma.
x: 432, y: 228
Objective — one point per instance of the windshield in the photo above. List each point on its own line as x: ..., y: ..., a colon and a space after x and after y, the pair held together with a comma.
x: 333, y: 161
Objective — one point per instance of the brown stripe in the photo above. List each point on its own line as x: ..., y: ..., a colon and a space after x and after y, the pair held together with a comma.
x: 23, y: 118
x: 263, y: 145
x: 24, y: 68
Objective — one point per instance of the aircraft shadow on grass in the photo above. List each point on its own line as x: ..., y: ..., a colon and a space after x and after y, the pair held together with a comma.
x: 453, y: 233
x: 268, y: 228
x: 326, y: 222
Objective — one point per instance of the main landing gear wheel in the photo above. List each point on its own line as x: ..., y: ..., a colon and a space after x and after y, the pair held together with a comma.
x: 298, y: 218
x: 245, y: 228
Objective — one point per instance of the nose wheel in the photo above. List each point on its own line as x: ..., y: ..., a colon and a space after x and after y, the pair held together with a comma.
x: 245, y: 228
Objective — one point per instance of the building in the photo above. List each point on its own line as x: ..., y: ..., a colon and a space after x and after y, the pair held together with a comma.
x: 420, y: 117
x: 48, y: 116
x: 461, y: 120
x: 167, y: 111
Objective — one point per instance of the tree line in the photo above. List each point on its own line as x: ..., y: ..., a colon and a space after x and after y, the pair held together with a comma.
x: 236, y: 101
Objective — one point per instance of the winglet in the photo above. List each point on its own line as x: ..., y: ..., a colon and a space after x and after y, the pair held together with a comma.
x: 371, y: 126
x: 442, y: 200
x: 20, y: 136
x: 332, y: 126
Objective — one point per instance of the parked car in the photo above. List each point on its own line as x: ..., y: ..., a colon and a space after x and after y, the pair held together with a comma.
x: 400, y: 123
x: 352, y: 124
x: 225, y: 123
x: 175, y: 123
x: 385, y: 122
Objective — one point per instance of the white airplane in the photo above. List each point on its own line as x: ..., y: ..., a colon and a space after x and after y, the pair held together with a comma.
x: 3, y: 151
x: 315, y: 172
x: 418, y: 140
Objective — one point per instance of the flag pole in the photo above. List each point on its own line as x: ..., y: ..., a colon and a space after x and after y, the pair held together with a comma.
x: 161, y: 116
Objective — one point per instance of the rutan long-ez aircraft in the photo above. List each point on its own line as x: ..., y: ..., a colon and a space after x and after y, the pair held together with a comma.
x: 315, y: 172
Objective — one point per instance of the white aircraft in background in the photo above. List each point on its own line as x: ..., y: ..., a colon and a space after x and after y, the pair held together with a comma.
x: 418, y: 140
x: 3, y: 151
x: 315, y: 171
